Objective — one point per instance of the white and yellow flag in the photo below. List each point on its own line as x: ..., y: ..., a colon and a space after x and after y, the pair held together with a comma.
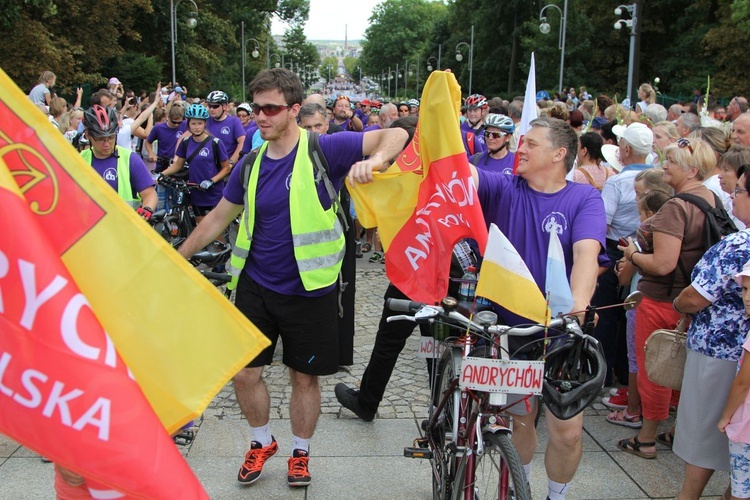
x: 506, y: 280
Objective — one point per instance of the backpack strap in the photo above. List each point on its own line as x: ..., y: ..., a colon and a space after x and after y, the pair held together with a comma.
x: 215, y: 144
x: 470, y: 143
x: 700, y: 202
x: 321, y: 173
x: 590, y: 178
x: 196, y: 151
x: 476, y: 159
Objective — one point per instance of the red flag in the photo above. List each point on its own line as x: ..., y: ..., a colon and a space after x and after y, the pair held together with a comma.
x: 426, y: 202
x: 64, y: 390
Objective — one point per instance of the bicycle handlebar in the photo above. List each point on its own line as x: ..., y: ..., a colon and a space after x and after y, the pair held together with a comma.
x: 424, y: 313
x: 221, y: 277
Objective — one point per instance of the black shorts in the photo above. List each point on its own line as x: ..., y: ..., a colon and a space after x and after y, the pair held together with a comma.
x: 308, y: 326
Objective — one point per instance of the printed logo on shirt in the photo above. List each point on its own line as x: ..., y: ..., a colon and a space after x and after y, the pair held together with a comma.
x: 204, y: 152
x: 288, y: 181
x: 110, y: 174
x: 508, y: 171
x: 225, y: 130
x: 178, y: 134
x: 555, y: 222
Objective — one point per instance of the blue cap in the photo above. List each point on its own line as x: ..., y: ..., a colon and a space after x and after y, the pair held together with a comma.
x: 598, y: 122
x: 178, y: 89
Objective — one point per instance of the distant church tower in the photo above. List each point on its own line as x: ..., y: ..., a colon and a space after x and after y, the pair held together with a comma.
x: 346, y: 30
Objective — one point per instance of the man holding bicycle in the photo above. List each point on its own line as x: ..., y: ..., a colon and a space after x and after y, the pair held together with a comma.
x: 285, y: 278
x: 527, y: 208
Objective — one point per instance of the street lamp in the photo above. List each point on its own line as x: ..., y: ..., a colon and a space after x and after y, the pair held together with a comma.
x: 255, y: 53
x: 631, y: 23
x: 408, y: 71
x: 191, y: 23
x: 459, y: 56
x: 278, y: 62
x: 429, y: 65
x: 544, y: 28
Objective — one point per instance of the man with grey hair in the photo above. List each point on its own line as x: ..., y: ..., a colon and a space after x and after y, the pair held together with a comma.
x: 388, y: 114
x: 675, y: 111
x: 656, y: 113
x: 736, y: 107
x: 741, y: 130
x: 312, y: 116
x: 576, y: 213
x: 687, y: 123
x: 515, y: 110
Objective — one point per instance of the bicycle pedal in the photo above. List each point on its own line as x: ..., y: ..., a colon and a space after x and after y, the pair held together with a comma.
x: 418, y: 453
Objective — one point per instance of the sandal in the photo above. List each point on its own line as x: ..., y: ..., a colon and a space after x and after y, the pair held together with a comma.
x: 622, y: 417
x: 366, y: 247
x: 634, y: 447
x: 666, y: 439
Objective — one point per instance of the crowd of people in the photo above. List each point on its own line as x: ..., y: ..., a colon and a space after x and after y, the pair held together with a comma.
x: 612, y: 182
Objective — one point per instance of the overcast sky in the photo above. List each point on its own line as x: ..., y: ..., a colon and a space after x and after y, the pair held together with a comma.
x: 329, y: 17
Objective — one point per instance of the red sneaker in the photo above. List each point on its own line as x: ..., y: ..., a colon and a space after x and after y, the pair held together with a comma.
x: 619, y: 391
x: 254, y: 460
x: 299, y: 474
x: 616, y: 402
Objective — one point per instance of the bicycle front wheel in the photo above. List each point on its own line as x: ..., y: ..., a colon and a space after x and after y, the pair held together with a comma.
x: 498, y: 472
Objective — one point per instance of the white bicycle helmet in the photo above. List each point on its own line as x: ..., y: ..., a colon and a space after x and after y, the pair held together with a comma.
x: 217, y: 97
x: 502, y: 122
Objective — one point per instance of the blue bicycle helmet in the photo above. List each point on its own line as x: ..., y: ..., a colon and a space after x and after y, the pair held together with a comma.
x: 196, y: 111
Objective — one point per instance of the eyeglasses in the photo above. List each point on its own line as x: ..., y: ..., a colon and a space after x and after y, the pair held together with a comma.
x: 494, y: 135
x: 214, y: 106
x: 269, y: 109
x: 738, y: 190
x: 684, y: 143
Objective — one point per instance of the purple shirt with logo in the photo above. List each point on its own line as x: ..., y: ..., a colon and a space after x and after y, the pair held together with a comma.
x: 484, y: 161
x: 476, y: 146
x: 526, y: 217
x: 478, y: 133
x: 140, y: 177
x: 271, y: 262
x: 167, y: 137
x: 203, y: 166
x: 228, y: 131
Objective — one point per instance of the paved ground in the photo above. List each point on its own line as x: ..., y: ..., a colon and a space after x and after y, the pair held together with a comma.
x: 357, y: 460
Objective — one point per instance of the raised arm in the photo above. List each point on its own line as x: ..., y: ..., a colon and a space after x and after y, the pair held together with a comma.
x: 381, y: 146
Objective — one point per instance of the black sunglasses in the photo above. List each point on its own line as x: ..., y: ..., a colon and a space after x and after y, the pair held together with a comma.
x: 269, y: 109
x: 684, y: 143
x: 214, y: 106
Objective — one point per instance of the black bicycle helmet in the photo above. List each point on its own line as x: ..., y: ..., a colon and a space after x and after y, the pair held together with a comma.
x: 100, y: 121
x: 574, y: 373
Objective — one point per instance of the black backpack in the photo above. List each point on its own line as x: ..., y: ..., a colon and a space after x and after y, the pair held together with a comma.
x: 718, y: 223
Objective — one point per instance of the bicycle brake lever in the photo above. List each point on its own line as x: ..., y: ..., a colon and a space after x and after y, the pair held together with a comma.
x: 400, y: 317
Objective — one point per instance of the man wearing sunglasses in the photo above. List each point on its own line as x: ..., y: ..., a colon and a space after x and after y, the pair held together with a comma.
x: 343, y: 115
x: 498, y: 131
x: 287, y: 257
x: 227, y: 128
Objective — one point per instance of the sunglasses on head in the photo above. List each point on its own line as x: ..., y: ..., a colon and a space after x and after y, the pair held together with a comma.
x: 343, y: 97
x: 494, y: 135
x: 269, y: 109
x: 214, y: 106
x: 684, y: 143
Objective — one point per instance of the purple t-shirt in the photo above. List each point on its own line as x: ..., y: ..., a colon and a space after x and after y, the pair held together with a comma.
x: 372, y: 127
x: 271, y: 262
x: 140, y: 177
x: 362, y: 116
x: 478, y: 133
x: 251, y: 128
x: 203, y: 166
x: 484, y: 161
x: 228, y: 131
x: 526, y: 217
x: 167, y: 137
x: 476, y: 146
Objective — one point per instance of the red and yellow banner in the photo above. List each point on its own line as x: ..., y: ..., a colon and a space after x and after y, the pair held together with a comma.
x: 426, y: 202
x: 179, y: 338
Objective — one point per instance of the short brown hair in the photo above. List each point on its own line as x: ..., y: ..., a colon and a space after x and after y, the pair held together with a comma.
x: 280, y: 79
x: 561, y: 135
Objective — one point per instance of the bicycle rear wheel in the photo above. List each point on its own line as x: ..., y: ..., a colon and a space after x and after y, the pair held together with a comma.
x: 498, y: 472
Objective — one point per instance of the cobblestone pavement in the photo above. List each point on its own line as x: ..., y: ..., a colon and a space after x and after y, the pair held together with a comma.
x: 406, y: 395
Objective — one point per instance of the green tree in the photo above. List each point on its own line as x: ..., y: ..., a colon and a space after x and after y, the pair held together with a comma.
x: 351, y: 64
x: 399, y: 31
x: 328, y: 68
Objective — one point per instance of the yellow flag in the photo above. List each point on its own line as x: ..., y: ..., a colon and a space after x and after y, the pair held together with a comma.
x: 181, y: 339
x: 507, y: 281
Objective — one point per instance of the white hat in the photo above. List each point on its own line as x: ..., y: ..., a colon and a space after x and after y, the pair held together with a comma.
x: 745, y: 272
x: 611, y: 154
x: 638, y: 135
x: 114, y: 81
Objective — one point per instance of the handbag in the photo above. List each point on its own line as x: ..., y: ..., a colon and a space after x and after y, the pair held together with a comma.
x: 665, y: 356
